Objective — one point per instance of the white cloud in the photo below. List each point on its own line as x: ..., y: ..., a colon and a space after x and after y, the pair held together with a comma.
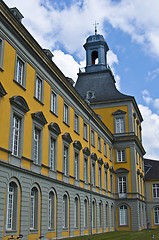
x: 149, y: 100
x: 150, y: 131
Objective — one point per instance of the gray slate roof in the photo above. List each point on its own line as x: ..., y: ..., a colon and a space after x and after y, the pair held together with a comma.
x: 151, y: 169
x: 102, y: 83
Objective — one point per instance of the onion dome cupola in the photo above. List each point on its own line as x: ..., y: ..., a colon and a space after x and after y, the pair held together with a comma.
x: 96, y: 53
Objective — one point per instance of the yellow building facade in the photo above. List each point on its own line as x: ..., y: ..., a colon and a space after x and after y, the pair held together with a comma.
x: 70, y: 164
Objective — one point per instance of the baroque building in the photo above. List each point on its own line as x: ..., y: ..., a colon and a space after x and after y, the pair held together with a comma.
x: 71, y: 157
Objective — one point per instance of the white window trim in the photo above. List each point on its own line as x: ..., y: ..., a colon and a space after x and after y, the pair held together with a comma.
x: 2, y: 42
x: 66, y: 113
x: 54, y: 102
x: 76, y: 123
x: 85, y: 131
x: 155, y: 188
x: 121, y: 155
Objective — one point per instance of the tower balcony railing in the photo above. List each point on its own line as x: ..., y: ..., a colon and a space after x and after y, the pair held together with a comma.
x: 83, y: 69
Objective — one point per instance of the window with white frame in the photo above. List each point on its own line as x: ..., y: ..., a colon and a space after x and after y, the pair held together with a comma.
x: 106, y: 179
x: 76, y: 212
x: 34, y: 209
x: 52, y: 153
x: 93, y: 173
x: 105, y: 149
x: 155, y: 190
x: 99, y: 144
x: 53, y: 106
x: 93, y: 213
x: 15, y: 135
x: 110, y: 153
x: 38, y: 88
x: 65, y: 211
x: 121, y: 155
x: 156, y: 215
x: 85, y: 131
x: 12, y: 204
x: 1, y: 53
x: 111, y: 183
x: 20, y: 71
x: 76, y: 166
x: 65, y: 160
x: 66, y: 113
x: 85, y: 170
x: 86, y: 213
x: 121, y: 184
x: 100, y: 177
x: 76, y: 123
x: 119, y: 124
x: 93, y: 138
x: 36, y: 145
x: 141, y: 185
x: 100, y: 214
x: 106, y: 214
x: 51, y: 210
x: 123, y: 215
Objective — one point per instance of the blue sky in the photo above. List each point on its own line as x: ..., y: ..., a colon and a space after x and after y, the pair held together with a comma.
x: 131, y: 30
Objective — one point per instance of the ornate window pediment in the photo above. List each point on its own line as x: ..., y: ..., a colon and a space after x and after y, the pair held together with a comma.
x: 86, y: 151
x: 100, y: 161
x: 77, y: 145
x: 54, y: 127
x: 94, y: 156
x: 2, y: 90
x: 39, y: 117
x: 122, y: 170
x: 119, y: 112
x: 106, y: 165
x: 20, y: 103
x: 67, y: 137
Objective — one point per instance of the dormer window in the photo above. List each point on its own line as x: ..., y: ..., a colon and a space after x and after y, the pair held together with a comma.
x: 94, y: 57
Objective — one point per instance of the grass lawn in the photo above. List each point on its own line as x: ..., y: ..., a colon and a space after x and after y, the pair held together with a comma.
x: 123, y: 235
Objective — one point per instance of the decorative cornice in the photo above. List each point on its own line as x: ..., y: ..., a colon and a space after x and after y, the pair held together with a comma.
x: 86, y: 151
x: 77, y: 144
x: 54, y: 127
x: 66, y: 136
x: 39, y: 117
x: 2, y: 90
x: 20, y: 103
x: 118, y: 112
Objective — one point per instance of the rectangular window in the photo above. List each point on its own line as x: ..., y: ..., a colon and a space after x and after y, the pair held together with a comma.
x: 66, y: 114
x: 121, y: 155
x: 123, y: 215
x: 156, y: 215
x: 85, y: 170
x: 10, y: 207
x: 85, y: 131
x: 155, y: 190
x: 76, y: 123
x: 76, y: 166
x: 32, y: 209
x: 15, y: 135
x: 100, y: 177
x: 110, y: 154
x: 106, y: 180
x: 19, y: 75
x: 93, y: 174
x: 36, y: 145
x: 119, y: 123
x: 53, y: 102
x: 51, y: 211
x: 65, y: 211
x: 111, y: 184
x: 105, y: 149
x: 65, y: 160
x: 1, y: 53
x: 122, y: 185
x: 93, y: 138
x: 99, y: 144
x: 100, y: 214
x: 38, y: 88
x: 52, y: 153
x: 85, y: 213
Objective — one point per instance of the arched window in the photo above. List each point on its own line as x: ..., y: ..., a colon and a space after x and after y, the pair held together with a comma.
x: 12, y: 206
x: 76, y: 212
x: 156, y: 215
x: 123, y: 215
x: 34, y: 208
x: 65, y: 211
x: 86, y: 213
x: 106, y: 214
x: 100, y: 214
x: 51, y: 210
x: 94, y: 57
x: 93, y: 214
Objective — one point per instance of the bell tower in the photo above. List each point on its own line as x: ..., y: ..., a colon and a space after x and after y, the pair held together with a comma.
x: 96, y: 53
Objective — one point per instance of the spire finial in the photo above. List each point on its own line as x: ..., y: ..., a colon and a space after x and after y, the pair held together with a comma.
x: 95, y: 26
